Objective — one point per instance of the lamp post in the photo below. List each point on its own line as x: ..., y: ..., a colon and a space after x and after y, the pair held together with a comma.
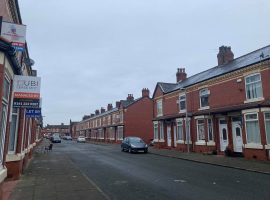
x: 186, y: 119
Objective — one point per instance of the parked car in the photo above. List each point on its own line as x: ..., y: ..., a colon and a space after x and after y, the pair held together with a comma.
x: 134, y: 144
x: 56, y: 139
x: 81, y: 139
x: 68, y: 137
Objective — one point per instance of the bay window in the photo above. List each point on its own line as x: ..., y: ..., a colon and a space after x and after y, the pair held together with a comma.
x: 267, y: 126
x: 200, y: 130
x: 252, y: 128
x: 180, y: 135
x: 161, y: 131
x: 156, y: 131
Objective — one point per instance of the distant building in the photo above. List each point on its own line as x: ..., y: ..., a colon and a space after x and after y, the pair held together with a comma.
x: 61, y: 129
x: 130, y: 117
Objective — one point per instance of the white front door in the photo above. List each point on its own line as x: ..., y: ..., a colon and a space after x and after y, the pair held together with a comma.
x: 237, y: 136
x: 223, y: 132
x: 169, y: 138
x: 174, y: 134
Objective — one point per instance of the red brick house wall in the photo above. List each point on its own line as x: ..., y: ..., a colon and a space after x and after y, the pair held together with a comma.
x: 138, y: 119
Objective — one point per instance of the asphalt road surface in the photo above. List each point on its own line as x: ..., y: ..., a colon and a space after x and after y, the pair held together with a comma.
x: 125, y: 176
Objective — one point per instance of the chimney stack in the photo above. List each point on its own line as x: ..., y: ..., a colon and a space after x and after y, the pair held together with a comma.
x: 92, y: 115
x: 117, y: 104
x: 130, y: 97
x: 102, y: 110
x: 109, y: 107
x: 145, y: 92
x: 224, y: 55
x: 97, y: 112
x: 180, y: 75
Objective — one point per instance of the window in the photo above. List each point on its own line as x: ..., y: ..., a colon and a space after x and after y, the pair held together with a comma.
x: 161, y: 131
x: 267, y: 126
x: 204, y: 96
x: 182, y: 103
x: 155, y: 131
x: 180, y: 135
x: 200, y: 130
x: 210, y: 129
x: 188, y: 137
x: 3, y: 130
x: 13, y: 131
x: 253, y: 86
x: 120, y: 131
x: 159, y: 108
x: 252, y: 128
x: 6, y: 89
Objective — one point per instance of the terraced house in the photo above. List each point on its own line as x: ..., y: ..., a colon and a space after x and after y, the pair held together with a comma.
x: 18, y: 133
x: 130, y: 117
x: 223, y: 109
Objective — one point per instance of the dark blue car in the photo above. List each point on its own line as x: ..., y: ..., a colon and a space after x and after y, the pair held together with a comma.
x: 134, y: 144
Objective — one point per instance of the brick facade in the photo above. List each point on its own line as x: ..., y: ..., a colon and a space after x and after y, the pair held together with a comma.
x: 228, y: 105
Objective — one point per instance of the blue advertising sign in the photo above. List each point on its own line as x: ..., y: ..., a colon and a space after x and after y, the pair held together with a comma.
x: 33, y: 112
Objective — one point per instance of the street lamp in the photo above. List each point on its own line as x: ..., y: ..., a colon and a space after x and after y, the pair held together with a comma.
x: 186, y: 120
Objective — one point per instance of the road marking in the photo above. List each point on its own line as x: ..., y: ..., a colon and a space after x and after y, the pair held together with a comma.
x: 180, y: 181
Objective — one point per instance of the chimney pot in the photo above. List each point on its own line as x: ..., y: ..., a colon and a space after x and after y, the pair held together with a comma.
x: 225, y: 55
x: 180, y: 75
x: 145, y: 92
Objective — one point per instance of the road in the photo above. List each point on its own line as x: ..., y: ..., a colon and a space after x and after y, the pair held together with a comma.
x: 122, y: 175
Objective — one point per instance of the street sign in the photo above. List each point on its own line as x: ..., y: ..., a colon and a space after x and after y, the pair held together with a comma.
x: 33, y: 112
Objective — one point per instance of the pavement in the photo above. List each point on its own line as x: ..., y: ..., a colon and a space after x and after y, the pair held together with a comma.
x: 52, y: 175
x: 218, y: 160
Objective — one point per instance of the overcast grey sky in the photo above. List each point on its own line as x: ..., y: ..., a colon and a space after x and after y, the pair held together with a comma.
x: 93, y: 52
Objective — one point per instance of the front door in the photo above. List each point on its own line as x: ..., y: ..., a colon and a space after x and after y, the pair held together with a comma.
x: 169, y: 137
x: 223, y: 133
x: 237, y: 136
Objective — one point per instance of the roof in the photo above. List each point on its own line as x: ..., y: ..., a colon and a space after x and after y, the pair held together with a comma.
x: 62, y: 126
x: 254, y: 57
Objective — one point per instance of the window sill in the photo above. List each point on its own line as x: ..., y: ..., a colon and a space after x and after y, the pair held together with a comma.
x: 182, y: 111
x: 3, y: 174
x: 253, y: 146
x: 267, y: 146
x: 159, y: 115
x: 186, y: 142
x: 254, y: 100
x: 180, y: 141
x: 211, y: 143
x: 161, y: 140
x: 204, y: 108
x: 200, y: 143
x: 156, y: 140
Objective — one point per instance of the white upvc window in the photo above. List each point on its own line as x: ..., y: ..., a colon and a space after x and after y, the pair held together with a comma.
x: 3, y: 124
x: 3, y: 117
x: 210, y: 130
x: 155, y: 131
x: 187, y: 129
x: 204, y: 98
x: 161, y: 131
x: 253, y: 87
x: 182, y: 103
x: 200, y: 130
x: 120, y: 133
x: 267, y: 126
x: 159, y: 108
x: 252, y: 128
x: 180, y: 134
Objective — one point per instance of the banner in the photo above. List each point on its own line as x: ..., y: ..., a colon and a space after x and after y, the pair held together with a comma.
x: 15, y: 33
x: 26, y: 91
x: 33, y: 112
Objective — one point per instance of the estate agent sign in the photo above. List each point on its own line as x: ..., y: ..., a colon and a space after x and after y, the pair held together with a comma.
x: 26, y: 91
x: 15, y: 33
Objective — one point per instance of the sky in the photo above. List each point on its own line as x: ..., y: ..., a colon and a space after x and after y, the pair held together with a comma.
x: 89, y: 53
